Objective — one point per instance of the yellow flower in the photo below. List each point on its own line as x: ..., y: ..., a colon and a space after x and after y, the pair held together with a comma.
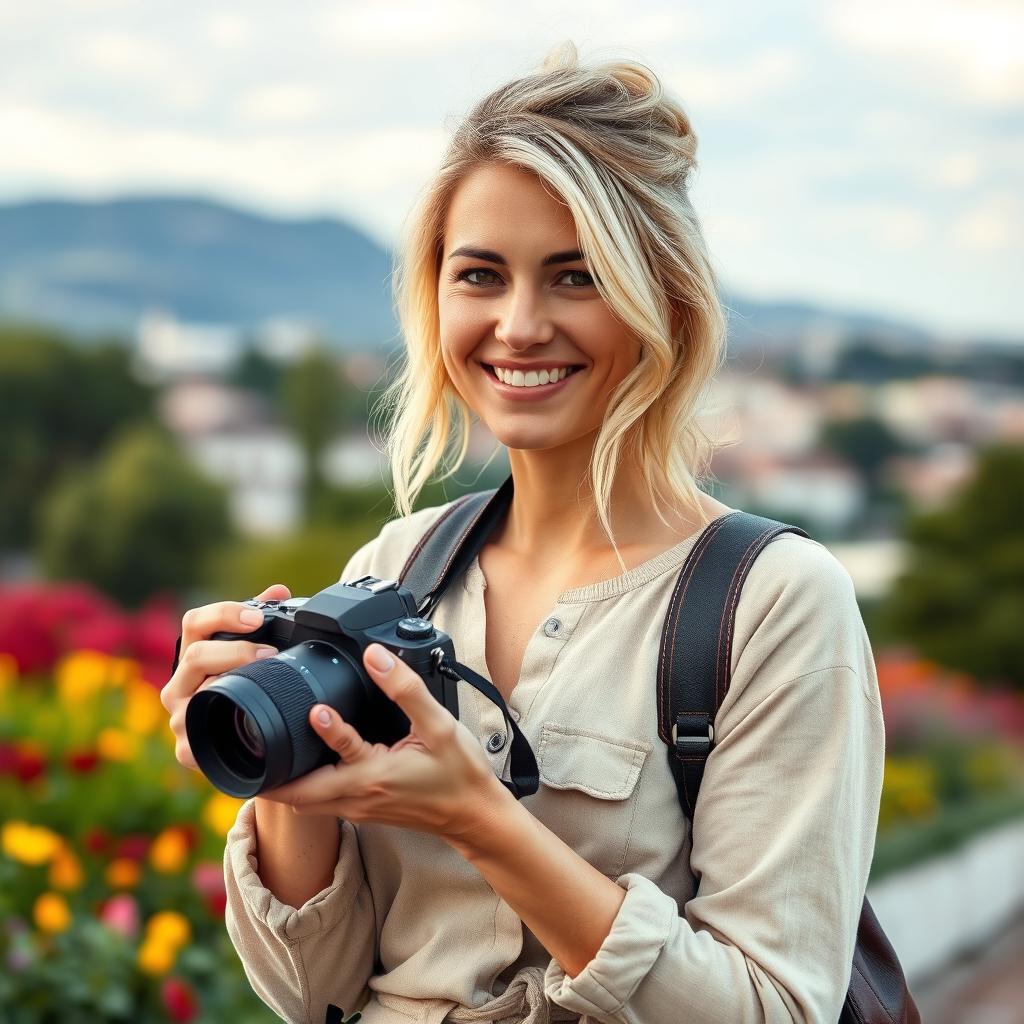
x: 117, y: 745
x: 170, y: 928
x: 122, y: 670
x: 66, y: 870
x: 81, y: 675
x: 220, y: 812
x: 143, y: 712
x: 29, y: 844
x: 123, y: 873
x: 156, y: 958
x: 51, y: 913
x: 169, y: 851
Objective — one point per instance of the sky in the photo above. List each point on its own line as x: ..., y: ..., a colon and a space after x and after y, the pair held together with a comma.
x: 867, y: 156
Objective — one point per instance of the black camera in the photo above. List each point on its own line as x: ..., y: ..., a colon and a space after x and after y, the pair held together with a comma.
x: 249, y: 731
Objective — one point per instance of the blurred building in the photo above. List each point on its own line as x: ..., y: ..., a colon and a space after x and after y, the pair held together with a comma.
x: 166, y: 348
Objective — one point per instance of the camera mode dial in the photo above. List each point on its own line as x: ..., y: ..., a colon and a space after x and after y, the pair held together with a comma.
x: 414, y: 628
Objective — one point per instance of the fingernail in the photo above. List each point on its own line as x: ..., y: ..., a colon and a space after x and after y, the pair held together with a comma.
x: 251, y: 616
x: 324, y: 716
x: 379, y: 658
x: 266, y: 652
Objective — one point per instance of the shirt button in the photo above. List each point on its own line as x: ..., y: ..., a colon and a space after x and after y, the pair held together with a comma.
x: 496, y: 742
x: 552, y: 626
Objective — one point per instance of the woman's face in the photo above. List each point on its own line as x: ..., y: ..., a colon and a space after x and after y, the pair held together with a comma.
x: 502, y: 304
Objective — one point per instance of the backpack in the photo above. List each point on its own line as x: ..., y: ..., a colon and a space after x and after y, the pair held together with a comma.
x: 699, y: 625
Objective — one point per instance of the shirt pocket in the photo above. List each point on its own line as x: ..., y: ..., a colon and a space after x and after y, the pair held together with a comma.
x: 588, y: 794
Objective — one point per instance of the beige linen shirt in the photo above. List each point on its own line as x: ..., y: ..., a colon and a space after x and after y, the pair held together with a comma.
x: 781, y: 841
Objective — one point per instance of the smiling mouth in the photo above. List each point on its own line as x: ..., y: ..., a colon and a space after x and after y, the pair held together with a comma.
x: 490, y: 371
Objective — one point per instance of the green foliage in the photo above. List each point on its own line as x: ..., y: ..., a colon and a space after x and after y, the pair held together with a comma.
x: 59, y: 403
x: 305, y: 562
x: 342, y: 520
x: 865, y: 442
x: 960, y: 598
x: 141, y: 519
x: 910, y: 844
x: 316, y: 402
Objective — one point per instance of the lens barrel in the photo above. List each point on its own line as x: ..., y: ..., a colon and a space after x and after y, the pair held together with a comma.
x: 249, y: 731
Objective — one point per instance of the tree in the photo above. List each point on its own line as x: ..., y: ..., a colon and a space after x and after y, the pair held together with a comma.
x: 960, y: 598
x: 59, y: 404
x: 311, y: 404
x: 865, y: 442
x: 141, y: 519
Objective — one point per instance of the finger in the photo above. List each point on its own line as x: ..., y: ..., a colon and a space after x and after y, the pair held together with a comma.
x: 226, y: 616
x: 432, y: 723
x: 206, y: 658
x: 338, y: 734
x: 327, y: 783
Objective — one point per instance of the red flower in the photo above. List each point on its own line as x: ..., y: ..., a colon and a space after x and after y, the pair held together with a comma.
x: 83, y: 761
x: 8, y: 759
x: 190, y: 833
x: 134, y: 847
x: 97, y: 840
x: 41, y: 621
x: 29, y: 761
x: 179, y: 1000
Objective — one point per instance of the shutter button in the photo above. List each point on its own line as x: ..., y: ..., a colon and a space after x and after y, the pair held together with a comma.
x: 496, y: 742
x: 552, y: 626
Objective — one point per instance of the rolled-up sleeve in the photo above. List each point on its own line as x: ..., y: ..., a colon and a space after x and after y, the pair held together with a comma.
x: 782, y: 841
x: 298, y: 960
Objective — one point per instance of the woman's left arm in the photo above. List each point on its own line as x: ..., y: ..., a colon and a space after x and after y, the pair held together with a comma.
x: 782, y: 843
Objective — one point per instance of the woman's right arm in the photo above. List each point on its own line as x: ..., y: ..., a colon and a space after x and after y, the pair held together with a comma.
x: 295, y: 854
x: 290, y: 879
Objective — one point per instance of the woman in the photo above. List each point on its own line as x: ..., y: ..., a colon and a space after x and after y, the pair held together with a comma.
x: 407, y: 882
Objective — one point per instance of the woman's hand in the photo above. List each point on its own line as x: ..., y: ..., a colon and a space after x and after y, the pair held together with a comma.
x: 202, y: 660
x: 436, y: 780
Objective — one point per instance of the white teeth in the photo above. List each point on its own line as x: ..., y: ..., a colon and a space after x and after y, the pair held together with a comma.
x: 531, y: 379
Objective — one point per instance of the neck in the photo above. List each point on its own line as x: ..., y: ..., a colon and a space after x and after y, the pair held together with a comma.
x: 553, y: 513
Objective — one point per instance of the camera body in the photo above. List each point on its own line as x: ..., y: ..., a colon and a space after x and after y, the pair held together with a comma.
x: 249, y: 729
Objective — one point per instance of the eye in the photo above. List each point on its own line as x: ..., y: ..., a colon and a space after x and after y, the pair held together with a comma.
x: 589, y: 280
x: 465, y: 275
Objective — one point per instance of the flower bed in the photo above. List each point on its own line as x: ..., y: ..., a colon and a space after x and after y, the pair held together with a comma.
x: 111, y: 883
x: 111, y: 880
x: 954, y: 764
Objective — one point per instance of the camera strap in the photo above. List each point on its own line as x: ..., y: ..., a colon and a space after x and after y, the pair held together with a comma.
x: 443, y: 554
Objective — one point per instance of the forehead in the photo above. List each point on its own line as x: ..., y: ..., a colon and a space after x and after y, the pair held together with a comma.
x: 498, y: 205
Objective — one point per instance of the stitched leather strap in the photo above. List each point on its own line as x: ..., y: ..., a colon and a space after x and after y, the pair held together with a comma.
x: 695, y: 655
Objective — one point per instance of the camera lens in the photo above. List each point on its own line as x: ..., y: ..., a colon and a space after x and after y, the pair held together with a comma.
x: 249, y: 731
x: 248, y: 734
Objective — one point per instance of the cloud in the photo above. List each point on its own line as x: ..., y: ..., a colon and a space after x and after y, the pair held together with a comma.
x: 968, y: 48
x: 281, y: 103
x: 703, y: 86
x: 374, y: 169
x: 993, y: 224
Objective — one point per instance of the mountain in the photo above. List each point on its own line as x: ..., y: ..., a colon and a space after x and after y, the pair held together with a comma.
x: 90, y: 267
x: 96, y: 266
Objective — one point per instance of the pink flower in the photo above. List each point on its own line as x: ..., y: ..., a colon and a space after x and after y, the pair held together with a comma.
x: 208, y: 878
x: 121, y: 914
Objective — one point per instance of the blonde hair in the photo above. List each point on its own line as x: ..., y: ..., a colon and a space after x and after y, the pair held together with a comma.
x: 617, y: 151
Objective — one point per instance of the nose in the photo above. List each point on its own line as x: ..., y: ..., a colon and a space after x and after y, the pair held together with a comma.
x: 523, y: 320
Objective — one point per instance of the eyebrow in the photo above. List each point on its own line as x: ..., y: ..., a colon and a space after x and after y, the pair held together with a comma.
x: 570, y: 256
